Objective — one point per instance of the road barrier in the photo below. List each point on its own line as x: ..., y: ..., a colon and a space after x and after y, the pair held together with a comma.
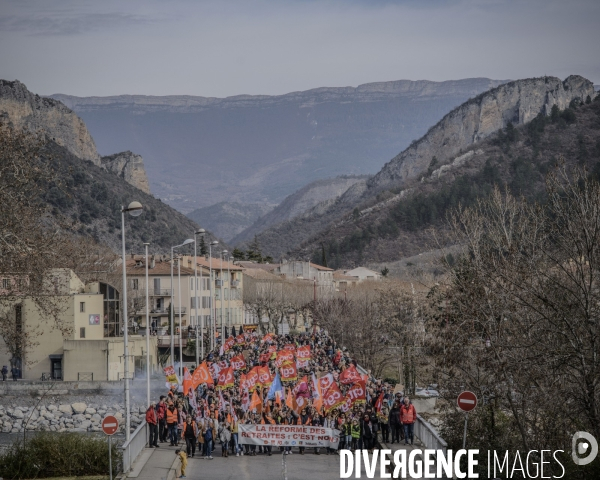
x: 428, y: 435
x: 137, y: 442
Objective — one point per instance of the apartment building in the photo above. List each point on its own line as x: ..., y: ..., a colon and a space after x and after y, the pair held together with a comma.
x: 84, y: 342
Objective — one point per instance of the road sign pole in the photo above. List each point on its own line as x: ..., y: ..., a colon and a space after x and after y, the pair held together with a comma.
x: 109, y: 458
x: 465, y: 432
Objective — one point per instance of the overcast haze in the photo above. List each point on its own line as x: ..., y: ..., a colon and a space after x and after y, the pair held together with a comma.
x: 222, y: 48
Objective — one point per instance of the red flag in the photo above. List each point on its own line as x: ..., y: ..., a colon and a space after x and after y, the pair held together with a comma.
x: 264, y: 376
x: 238, y: 362
x: 290, y: 346
x: 303, y: 353
x: 379, y: 403
x: 229, y: 343
x: 289, y: 372
x: 264, y: 357
x: 357, y: 393
x: 284, y: 356
x: 350, y: 376
x: 252, y: 379
x: 240, y: 340
x: 332, y: 398
x: 226, y: 378
x: 325, y: 382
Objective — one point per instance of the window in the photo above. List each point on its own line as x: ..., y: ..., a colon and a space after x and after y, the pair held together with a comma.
x: 134, y: 284
x: 205, y: 302
x: 5, y: 283
x: 191, y: 284
x: 82, y: 332
x: 82, y: 306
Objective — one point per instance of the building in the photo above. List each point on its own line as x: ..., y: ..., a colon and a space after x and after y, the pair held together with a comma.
x: 81, y: 341
x: 322, y: 277
x: 343, y: 282
x: 361, y: 274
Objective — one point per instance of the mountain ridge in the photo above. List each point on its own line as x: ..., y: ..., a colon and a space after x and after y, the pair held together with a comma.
x: 259, y: 149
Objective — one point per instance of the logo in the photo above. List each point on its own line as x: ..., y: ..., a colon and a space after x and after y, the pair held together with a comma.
x: 584, y: 444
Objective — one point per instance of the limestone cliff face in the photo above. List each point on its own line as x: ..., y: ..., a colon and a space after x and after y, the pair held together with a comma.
x: 26, y: 110
x: 128, y: 166
x: 517, y: 102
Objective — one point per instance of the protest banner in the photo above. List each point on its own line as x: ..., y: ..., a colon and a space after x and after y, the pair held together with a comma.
x: 288, y: 436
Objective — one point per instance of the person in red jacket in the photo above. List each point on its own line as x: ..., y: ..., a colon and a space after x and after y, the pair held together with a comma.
x: 408, y: 417
x: 161, y: 413
x: 152, y: 421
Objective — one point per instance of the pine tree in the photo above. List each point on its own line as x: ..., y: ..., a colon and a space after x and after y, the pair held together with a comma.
x: 323, y: 256
x: 202, y: 244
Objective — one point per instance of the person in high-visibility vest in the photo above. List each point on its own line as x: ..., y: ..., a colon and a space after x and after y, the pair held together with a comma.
x: 172, y: 423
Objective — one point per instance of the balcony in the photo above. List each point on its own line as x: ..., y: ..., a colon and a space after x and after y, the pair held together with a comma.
x: 235, y: 283
x: 160, y: 292
x: 178, y: 310
x: 219, y: 283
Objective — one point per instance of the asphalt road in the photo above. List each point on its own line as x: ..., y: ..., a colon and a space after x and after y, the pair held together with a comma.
x: 299, y: 467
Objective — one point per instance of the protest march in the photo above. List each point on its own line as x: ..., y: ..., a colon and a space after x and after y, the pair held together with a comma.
x: 259, y: 395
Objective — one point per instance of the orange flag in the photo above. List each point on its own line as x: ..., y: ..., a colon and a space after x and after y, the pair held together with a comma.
x: 289, y: 401
x: 201, y: 375
x: 255, y: 402
x: 187, y: 381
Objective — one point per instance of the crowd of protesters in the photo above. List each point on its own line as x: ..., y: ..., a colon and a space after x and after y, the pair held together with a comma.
x: 205, y: 416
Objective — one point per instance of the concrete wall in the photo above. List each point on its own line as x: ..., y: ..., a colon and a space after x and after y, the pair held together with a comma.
x: 82, y: 357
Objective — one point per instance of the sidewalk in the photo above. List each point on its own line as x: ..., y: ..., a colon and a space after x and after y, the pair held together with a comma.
x: 156, y: 463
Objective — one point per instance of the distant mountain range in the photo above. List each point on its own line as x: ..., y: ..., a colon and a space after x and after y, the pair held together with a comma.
x: 458, y: 159
x: 259, y: 149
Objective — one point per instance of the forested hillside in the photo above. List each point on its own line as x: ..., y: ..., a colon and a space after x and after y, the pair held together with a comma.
x: 397, y: 223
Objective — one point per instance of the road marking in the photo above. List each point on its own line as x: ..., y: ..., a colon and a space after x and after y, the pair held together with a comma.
x: 462, y: 400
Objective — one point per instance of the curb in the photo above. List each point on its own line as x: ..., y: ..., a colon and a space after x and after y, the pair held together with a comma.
x: 173, y: 470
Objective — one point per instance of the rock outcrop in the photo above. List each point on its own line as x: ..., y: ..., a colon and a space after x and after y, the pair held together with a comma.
x: 27, y: 110
x: 517, y: 102
x: 128, y: 166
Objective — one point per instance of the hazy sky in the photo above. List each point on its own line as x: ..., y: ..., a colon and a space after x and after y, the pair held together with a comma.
x: 221, y: 48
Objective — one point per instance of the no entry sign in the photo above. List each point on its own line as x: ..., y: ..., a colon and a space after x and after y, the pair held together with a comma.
x: 110, y: 425
x: 467, y: 401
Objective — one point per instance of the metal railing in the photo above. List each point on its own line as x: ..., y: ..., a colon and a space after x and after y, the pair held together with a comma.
x: 160, y: 292
x: 429, y: 436
x: 137, y: 442
x: 85, y: 376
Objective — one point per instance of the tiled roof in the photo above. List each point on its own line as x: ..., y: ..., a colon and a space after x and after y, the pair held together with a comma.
x: 319, y: 267
x: 217, y: 264
x: 263, y: 266
x: 160, y: 268
x: 260, y: 274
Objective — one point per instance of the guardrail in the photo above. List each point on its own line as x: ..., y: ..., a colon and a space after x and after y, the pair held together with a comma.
x: 132, y: 449
x: 429, y: 436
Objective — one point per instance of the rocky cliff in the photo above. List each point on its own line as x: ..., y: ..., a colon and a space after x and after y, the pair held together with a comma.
x: 517, y: 102
x: 128, y: 166
x: 25, y: 109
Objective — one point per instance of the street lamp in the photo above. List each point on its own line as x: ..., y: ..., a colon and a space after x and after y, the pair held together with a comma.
x: 147, y: 333
x: 223, y: 253
x: 210, y: 284
x: 200, y: 232
x: 135, y: 210
x: 187, y: 242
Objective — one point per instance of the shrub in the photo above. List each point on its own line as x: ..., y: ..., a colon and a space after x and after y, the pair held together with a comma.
x: 50, y: 454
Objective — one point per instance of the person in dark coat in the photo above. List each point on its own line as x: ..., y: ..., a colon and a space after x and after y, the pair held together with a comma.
x: 366, y: 433
x: 4, y: 373
x: 15, y: 373
x: 395, y: 425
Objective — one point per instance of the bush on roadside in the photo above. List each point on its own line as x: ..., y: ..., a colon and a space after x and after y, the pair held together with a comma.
x: 58, y: 455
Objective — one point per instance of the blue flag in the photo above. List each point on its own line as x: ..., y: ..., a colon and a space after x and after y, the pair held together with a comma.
x: 275, y: 387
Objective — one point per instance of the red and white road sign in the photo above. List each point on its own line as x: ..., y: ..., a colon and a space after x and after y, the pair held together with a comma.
x: 110, y: 425
x: 467, y: 401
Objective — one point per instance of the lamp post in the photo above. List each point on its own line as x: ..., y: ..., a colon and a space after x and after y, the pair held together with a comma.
x: 135, y: 210
x: 223, y: 253
x: 229, y: 315
x: 200, y: 232
x: 210, y: 285
x: 147, y: 332
x: 187, y: 242
x: 180, y: 322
